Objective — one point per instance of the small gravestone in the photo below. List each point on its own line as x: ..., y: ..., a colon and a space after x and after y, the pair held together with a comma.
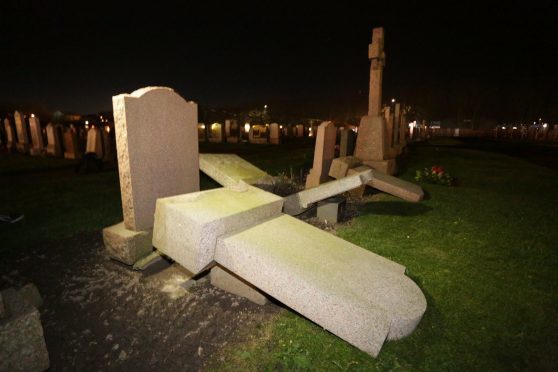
x: 71, y: 150
x: 324, y: 153
x: 11, y: 143
x: 216, y: 133
x: 38, y: 142
x: 54, y: 145
x: 94, y: 142
x: 22, y: 134
x: 347, y: 142
x: 274, y: 134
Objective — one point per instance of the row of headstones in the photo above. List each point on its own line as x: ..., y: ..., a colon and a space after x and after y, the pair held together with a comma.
x: 273, y: 133
x: 67, y: 142
x: 532, y: 133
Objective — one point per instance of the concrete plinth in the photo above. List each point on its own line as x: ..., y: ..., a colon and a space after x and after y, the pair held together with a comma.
x: 125, y: 245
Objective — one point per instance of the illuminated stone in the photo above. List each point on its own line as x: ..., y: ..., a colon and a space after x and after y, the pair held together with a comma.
x: 156, y: 139
x: 187, y: 226
x: 355, y: 294
x: 54, y: 135
x: 125, y: 245
x: 11, y: 143
x: 231, y: 170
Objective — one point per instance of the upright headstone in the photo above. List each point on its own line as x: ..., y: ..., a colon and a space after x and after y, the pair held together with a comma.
x: 396, y: 123
x: 109, y: 147
x: 274, y: 134
x: 347, y: 142
x: 38, y: 147
x: 216, y: 133
x: 300, y: 131
x: 403, y: 128
x: 94, y: 142
x: 71, y: 149
x: 157, y: 147
x: 11, y: 143
x: 372, y: 141
x: 22, y: 136
x: 54, y: 146
x: 324, y: 153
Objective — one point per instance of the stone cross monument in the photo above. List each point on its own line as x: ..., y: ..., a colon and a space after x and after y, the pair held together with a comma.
x: 377, y: 58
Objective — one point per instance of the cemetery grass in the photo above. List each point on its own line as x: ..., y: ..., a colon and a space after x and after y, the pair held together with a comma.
x: 483, y: 253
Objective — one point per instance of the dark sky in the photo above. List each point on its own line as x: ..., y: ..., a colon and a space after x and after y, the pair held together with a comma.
x: 75, y: 57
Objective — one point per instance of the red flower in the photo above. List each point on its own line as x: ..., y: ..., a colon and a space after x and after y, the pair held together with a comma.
x: 436, y: 169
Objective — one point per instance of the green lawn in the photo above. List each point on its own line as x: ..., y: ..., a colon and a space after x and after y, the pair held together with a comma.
x: 484, y: 254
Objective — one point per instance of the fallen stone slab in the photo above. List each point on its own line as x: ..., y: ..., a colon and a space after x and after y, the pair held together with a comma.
x: 340, y: 166
x: 230, y: 170
x: 187, y: 226
x: 356, y: 294
x: 22, y: 343
x: 299, y: 202
x: 396, y: 186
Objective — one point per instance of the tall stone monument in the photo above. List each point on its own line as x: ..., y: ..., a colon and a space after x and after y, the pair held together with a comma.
x: 373, y: 139
x: 157, y: 148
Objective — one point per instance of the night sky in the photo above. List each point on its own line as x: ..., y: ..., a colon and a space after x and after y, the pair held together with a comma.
x: 499, y: 61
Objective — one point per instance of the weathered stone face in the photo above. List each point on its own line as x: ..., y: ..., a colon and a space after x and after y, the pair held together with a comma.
x: 371, y: 140
x: 156, y: 140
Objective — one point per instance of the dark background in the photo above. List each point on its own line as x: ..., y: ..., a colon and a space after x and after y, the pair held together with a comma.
x: 486, y: 62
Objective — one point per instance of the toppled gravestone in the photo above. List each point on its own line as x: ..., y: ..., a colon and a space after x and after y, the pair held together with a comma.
x: 358, y: 295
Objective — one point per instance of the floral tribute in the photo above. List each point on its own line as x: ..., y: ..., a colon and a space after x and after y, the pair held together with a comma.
x: 437, y: 175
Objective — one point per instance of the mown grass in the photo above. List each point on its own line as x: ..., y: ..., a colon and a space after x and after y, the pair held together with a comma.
x: 484, y: 254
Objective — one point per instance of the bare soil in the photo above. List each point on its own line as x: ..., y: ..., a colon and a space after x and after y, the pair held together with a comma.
x: 101, y: 315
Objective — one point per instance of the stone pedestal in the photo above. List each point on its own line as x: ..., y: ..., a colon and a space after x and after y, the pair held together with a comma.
x: 331, y: 210
x: 125, y: 245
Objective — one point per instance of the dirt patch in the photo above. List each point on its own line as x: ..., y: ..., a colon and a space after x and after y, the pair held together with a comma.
x: 100, y: 315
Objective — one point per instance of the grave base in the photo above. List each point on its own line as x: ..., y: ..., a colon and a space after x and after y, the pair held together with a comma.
x: 229, y: 282
x: 331, y: 210
x: 22, y: 147
x: 388, y: 166
x: 36, y: 152
x: 125, y: 245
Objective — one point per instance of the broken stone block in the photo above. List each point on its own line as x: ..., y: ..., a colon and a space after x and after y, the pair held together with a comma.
x: 357, y: 295
x: 227, y: 281
x: 396, y: 186
x: 230, y: 170
x: 187, y: 226
x: 297, y: 203
x: 31, y: 294
x: 125, y: 245
x: 22, y: 343
x: 340, y: 166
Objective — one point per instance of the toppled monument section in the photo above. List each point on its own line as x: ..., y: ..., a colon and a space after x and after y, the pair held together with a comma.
x: 356, y: 294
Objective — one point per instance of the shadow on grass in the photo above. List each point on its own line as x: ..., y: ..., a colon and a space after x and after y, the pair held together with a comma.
x: 395, y: 208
